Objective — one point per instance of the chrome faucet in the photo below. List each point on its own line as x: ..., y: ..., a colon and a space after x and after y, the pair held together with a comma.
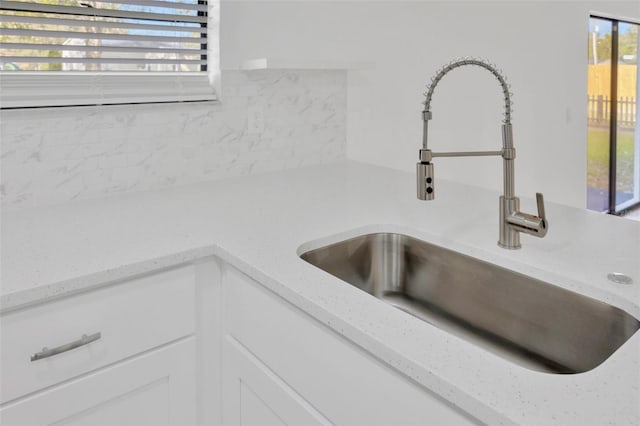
x: 512, y: 220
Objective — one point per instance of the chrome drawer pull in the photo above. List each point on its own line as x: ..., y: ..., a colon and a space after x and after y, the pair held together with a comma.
x: 84, y: 340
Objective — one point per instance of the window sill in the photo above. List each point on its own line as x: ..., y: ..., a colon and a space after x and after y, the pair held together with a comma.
x: 37, y: 89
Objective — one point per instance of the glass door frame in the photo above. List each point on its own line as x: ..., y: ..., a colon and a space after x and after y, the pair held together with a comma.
x: 613, y: 122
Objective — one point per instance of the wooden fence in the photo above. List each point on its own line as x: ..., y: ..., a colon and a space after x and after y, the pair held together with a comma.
x: 599, y: 111
x: 599, y: 80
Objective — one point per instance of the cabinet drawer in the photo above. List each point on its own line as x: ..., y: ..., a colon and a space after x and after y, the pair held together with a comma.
x: 131, y: 317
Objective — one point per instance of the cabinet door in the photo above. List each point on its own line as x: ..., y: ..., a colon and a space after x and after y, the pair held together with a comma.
x: 156, y: 388
x: 328, y: 373
x: 254, y: 395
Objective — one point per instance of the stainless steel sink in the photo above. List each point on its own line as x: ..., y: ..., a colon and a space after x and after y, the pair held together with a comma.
x: 535, y: 324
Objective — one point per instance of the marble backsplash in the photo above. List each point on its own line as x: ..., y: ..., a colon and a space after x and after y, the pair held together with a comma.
x: 267, y: 120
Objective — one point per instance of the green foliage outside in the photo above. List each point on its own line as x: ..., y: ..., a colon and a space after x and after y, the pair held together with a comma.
x: 627, y: 45
x: 598, y: 159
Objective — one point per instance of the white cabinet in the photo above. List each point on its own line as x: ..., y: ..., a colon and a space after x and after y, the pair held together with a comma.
x: 142, y: 370
x: 280, y: 366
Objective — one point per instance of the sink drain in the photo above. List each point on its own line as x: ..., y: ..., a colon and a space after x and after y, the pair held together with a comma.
x: 619, y: 278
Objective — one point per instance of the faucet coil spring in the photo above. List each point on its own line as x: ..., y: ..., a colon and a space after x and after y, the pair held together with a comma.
x: 497, y: 73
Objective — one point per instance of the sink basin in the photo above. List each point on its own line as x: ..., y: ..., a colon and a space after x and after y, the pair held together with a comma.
x: 527, y: 321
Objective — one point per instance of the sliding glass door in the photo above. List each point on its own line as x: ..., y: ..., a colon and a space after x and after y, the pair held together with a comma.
x: 613, y: 138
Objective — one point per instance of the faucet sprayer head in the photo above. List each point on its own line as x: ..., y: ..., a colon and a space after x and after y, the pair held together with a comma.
x: 426, y: 184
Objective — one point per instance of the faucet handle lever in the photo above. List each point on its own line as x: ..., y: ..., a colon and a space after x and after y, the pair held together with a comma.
x: 523, y: 222
x: 540, y: 202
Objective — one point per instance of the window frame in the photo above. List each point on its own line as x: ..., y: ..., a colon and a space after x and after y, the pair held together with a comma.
x: 44, y: 89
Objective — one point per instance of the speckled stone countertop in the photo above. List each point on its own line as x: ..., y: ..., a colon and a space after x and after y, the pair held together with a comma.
x: 260, y: 223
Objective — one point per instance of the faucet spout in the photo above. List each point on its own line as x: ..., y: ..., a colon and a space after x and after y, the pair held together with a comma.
x: 512, y: 221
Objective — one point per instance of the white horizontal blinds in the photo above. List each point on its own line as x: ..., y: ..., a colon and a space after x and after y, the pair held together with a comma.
x: 110, y: 35
x: 88, y: 52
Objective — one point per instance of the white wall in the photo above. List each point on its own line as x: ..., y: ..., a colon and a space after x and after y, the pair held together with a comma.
x: 540, y: 46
